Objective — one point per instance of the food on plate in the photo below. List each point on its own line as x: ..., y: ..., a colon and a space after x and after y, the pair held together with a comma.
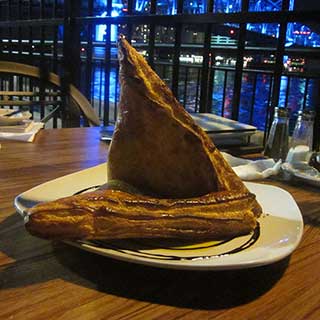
x: 167, y: 178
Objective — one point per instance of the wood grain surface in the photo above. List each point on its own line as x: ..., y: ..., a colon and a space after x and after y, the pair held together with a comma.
x: 50, y: 280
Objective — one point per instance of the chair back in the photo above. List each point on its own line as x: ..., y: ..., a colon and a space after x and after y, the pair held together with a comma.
x: 24, y: 86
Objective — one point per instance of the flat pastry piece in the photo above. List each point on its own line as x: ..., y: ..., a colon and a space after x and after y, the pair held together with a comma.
x: 116, y: 214
x: 189, y: 190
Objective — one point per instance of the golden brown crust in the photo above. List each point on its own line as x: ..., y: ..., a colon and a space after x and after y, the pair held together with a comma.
x: 156, y: 144
x: 113, y: 214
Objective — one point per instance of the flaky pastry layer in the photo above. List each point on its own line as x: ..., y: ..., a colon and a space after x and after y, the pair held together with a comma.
x: 114, y: 214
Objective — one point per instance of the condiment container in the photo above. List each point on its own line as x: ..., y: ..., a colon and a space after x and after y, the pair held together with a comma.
x: 278, y: 140
x: 302, y: 138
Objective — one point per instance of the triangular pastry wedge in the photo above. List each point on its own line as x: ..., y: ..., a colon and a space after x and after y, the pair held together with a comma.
x: 174, y: 182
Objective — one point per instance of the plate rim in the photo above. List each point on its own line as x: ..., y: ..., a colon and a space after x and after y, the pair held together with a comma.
x: 111, y: 253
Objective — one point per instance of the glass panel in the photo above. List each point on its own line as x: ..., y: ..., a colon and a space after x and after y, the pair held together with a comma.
x: 140, y: 34
x: 164, y: 34
x: 163, y: 55
x: 299, y: 34
x: 265, y: 5
x: 189, y: 87
x: 297, y: 93
x: 191, y: 56
x: 194, y: 6
x: 192, y: 34
x: 142, y: 6
x: 263, y: 61
x: 223, y: 82
x: 262, y: 35
x: 306, y: 5
x: 168, y: 7
x: 312, y: 93
x: 119, y: 8
x: 227, y: 6
x: 225, y: 35
x: 264, y: 81
x: 167, y: 74
x: 255, y: 90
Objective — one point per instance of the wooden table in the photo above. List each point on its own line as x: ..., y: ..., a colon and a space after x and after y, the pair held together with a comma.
x: 50, y: 280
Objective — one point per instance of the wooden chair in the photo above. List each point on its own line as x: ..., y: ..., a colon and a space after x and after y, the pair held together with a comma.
x: 15, y: 93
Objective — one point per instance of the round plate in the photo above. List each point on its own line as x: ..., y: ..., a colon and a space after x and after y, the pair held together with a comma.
x: 278, y: 234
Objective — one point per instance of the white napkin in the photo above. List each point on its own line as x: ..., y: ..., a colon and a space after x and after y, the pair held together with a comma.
x: 23, y: 136
x: 13, y: 120
x: 252, y: 169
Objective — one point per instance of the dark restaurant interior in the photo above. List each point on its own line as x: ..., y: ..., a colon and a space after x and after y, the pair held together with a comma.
x: 235, y: 59
x: 85, y: 82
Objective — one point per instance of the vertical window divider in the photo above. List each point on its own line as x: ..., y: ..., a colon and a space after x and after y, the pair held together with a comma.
x: 107, y: 68
x: 239, y: 64
x: 177, y: 51
x: 152, y: 32
x: 205, y: 100
x: 279, y: 62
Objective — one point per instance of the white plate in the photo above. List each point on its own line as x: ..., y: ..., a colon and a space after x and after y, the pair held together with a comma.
x: 280, y: 231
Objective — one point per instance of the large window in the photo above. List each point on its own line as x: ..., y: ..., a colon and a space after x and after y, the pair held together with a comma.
x: 235, y: 58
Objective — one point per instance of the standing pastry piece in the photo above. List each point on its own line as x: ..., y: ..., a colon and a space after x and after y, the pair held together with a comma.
x: 156, y: 145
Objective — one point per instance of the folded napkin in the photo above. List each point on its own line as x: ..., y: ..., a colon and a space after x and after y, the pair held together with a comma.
x: 13, y: 120
x: 252, y: 169
x: 23, y: 136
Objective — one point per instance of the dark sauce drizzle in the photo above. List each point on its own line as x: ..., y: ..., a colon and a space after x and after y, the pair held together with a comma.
x: 87, y: 189
x: 141, y: 253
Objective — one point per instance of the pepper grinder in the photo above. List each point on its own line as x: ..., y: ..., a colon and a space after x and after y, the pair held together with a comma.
x: 278, y: 140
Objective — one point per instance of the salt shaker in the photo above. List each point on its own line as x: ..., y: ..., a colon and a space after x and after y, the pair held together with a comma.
x: 278, y: 140
x: 302, y: 138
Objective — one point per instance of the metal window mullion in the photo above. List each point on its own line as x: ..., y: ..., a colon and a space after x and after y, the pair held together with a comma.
x: 55, y: 40
x: 225, y: 81
x: 115, y: 112
x: 89, y: 50
x: 1, y: 34
x: 42, y: 63
x: 176, y: 54
x: 19, y: 28
x: 287, y: 91
x: 306, y: 86
x: 71, y: 60
x: 30, y: 30
x: 185, y: 88
x: 239, y: 65
x: 206, y: 87
x: 253, y: 97
x: 316, y: 128
x: 100, y: 87
x: 268, y: 110
x: 55, y: 57
x: 176, y: 60
x: 10, y: 28
x: 211, y: 82
x: 196, y: 107
x: 279, y: 62
x: 20, y: 84
x: 210, y: 6
x: 130, y: 24
x: 152, y: 32
x: 205, y: 70
x: 107, y: 69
